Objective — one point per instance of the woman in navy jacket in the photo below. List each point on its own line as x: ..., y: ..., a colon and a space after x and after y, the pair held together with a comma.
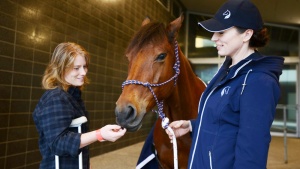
x: 237, y: 109
x: 60, y: 104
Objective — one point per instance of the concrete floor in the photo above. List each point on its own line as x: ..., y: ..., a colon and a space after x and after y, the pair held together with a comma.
x: 127, y: 157
x: 276, y: 158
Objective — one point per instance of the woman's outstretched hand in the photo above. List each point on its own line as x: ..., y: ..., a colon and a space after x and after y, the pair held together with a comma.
x: 112, y: 132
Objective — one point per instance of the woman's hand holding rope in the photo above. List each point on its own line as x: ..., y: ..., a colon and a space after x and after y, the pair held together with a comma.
x: 180, y: 128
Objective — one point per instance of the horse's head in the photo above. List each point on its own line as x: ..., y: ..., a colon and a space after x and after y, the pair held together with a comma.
x: 151, y: 59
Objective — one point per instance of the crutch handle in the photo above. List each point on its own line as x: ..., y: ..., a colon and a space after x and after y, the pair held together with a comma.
x: 78, y: 121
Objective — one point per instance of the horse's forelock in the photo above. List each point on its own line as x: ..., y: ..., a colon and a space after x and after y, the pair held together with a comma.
x: 153, y: 32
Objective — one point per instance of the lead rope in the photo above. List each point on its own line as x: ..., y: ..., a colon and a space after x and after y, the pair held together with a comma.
x: 165, y: 120
x: 165, y: 125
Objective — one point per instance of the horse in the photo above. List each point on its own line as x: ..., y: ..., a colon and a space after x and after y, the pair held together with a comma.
x: 159, y: 75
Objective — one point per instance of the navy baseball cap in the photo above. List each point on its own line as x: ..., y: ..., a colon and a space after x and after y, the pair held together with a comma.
x: 240, y: 13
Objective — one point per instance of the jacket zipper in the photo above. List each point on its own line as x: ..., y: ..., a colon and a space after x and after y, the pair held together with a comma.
x: 210, y: 160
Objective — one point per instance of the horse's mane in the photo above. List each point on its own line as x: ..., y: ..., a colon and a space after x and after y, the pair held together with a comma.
x: 152, y: 32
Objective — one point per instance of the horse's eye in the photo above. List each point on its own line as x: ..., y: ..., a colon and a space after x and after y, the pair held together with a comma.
x: 161, y: 57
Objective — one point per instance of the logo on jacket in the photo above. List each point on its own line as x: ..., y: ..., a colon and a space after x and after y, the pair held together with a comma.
x: 225, y: 90
x: 227, y: 14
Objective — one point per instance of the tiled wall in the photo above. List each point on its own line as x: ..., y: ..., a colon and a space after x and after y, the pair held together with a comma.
x: 29, y: 31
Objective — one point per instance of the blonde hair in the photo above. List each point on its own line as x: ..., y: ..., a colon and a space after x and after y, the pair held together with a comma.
x: 63, y: 60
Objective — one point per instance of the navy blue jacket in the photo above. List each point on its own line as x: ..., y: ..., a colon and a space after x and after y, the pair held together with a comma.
x: 53, y: 116
x: 236, y: 111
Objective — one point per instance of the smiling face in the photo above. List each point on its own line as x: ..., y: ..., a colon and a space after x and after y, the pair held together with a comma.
x: 228, y: 42
x: 234, y: 43
x: 75, y: 75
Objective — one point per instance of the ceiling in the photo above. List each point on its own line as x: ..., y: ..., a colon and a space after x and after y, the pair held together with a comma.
x: 286, y: 12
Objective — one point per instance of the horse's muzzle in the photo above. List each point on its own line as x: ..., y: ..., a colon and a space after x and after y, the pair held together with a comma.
x: 127, y: 118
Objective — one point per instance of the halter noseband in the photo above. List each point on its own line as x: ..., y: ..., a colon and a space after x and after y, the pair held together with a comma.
x: 149, y: 85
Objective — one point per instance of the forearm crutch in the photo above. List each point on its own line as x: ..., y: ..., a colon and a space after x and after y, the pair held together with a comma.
x: 75, y: 123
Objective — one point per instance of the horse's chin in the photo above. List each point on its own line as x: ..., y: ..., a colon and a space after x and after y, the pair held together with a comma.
x: 133, y: 128
x: 134, y: 125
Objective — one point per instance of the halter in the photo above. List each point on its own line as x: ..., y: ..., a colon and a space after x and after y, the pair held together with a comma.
x: 149, y: 85
x: 165, y: 120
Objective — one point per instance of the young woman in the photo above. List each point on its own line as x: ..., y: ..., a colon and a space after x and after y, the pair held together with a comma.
x: 237, y: 109
x: 60, y: 104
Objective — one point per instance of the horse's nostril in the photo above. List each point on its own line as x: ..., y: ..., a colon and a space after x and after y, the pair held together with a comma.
x: 130, y: 112
x: 125, y: 115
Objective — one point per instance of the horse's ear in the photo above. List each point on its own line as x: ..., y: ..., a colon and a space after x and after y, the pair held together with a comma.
x: 174, y: 26
x: 146, y: 21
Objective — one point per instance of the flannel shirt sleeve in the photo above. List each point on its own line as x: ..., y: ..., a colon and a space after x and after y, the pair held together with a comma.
x: 55, y: 120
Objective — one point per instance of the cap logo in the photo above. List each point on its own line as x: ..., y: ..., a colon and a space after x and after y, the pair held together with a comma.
x: 227, y: 14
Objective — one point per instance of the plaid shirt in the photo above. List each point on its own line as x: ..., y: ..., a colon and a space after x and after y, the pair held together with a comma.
x: 53, y: 116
